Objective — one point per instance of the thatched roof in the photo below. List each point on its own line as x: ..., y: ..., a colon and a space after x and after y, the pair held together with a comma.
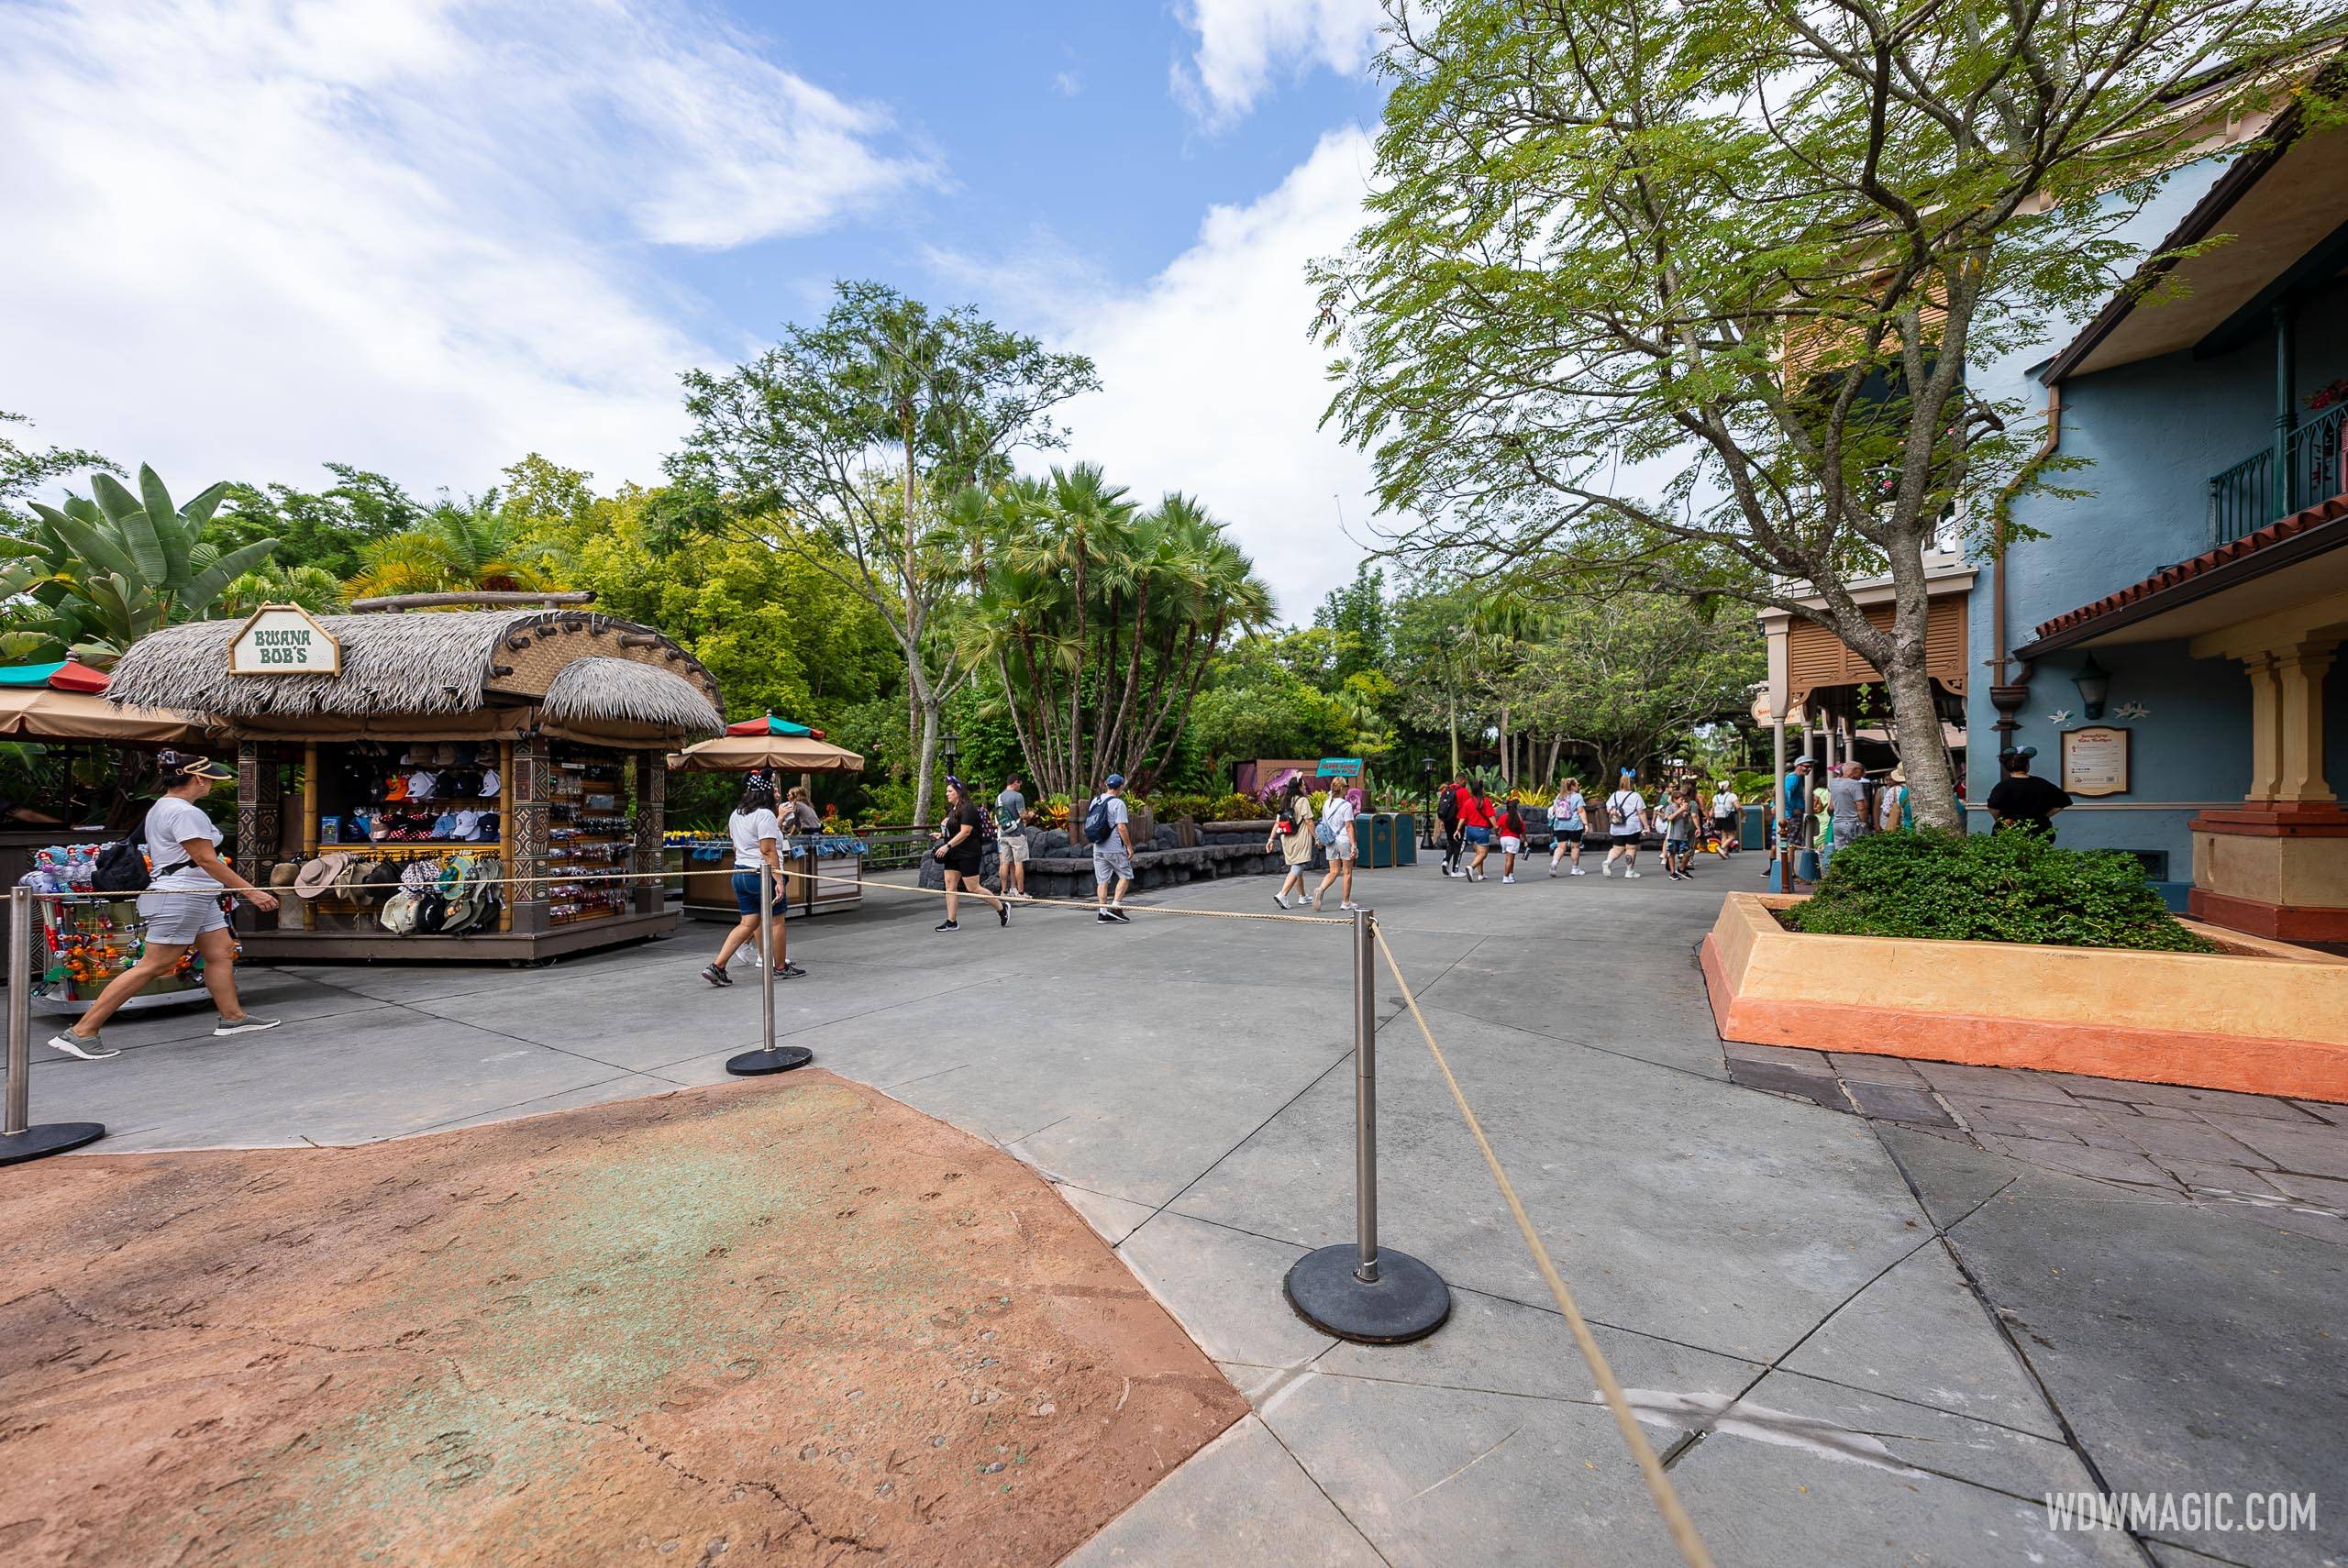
x: 444, y: 662
x: 588, y: 690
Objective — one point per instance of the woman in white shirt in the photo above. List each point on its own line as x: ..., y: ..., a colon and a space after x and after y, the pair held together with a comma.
x: 758, y: 841
x: 1629, y: 809
x: 181, y: 909
x: 1340, y: 834
x: 1726, y: 821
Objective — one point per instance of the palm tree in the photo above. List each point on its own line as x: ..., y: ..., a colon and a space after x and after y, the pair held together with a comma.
x: 480, y: 546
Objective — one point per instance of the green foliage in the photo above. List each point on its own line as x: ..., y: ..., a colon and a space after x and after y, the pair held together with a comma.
x: 1256, y: 704
x: 325, y: 528
x: 1618, y: 677
x: 1100, y: 618
x: 95, y: 575
x: 2006, y: 887
x: 790, y: 440
x: 24, y: 471
x: 313, y: 588
x: 1602, y: 233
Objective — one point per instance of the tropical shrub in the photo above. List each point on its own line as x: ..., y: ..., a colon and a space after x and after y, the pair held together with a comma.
x: 2006, y: 886
x: 95, y: 575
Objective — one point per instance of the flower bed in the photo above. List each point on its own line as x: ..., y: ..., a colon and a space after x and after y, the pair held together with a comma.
x: 2257, y: 1017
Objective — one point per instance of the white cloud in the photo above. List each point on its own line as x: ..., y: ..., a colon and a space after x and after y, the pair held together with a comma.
x: 1211, y: 382
x: 251, y: 235
x: 1242, y: 44
x: 1068, y: 82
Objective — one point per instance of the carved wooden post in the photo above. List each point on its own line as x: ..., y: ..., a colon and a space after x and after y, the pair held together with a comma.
x: 651, y: 830
x: 529, y: 783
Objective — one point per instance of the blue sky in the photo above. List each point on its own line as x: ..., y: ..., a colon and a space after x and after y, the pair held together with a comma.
x: 427, y: 236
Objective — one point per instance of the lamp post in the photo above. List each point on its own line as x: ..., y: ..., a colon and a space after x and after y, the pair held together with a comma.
x: 949, y: 746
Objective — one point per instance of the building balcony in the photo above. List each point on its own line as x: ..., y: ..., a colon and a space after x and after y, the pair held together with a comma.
x: 2250, y: 494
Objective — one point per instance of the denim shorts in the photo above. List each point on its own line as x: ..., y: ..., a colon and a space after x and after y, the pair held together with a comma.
x: 176, y: 919
x: 746, y: 893
x: 1479, y: 835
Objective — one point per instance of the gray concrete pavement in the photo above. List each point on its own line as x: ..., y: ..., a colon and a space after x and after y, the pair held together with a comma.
x: 1856, y: 1341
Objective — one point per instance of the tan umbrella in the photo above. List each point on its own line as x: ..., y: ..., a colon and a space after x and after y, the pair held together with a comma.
x: 43, y: 712
x: 783, y: 754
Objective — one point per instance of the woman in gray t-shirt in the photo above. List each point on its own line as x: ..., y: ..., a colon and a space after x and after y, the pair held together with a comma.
x: 181, y: 909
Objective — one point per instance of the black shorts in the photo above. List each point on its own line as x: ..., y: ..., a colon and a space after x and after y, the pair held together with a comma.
x: 1568, y: 835
x: 1627, y: 840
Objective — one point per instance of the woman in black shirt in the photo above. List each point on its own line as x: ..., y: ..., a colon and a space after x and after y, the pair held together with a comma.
x: 959, y: 850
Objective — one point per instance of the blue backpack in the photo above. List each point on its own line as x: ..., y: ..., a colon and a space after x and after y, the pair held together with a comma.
x: 1098, y: 828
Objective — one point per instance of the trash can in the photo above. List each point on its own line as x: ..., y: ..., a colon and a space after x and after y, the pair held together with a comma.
x: 1381, y: 839
x: 1406, y: 838
x: 1754, y: 832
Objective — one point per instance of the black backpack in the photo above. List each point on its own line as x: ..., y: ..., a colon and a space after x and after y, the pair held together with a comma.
x: 1098, y: 828
x: 121, y: 867
x: 1447, y: 805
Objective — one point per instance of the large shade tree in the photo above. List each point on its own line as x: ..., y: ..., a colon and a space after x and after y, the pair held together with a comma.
x: 1688, y: 290
x: 846, y: 441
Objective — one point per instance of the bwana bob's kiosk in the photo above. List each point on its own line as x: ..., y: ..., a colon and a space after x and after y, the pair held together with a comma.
x: 432, y: 754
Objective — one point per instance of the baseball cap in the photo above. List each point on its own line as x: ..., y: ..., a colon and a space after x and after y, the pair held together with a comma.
x: 1805, y: 762
x: 1117, y: 782
x: 191, y: 765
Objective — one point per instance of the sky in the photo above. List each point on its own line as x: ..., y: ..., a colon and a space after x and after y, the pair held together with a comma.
x: 425, y: 237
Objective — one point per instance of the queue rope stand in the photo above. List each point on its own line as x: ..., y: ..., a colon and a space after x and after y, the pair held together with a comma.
x: 1357, y: 1291
x: 772, y: 1058
x: 20, y: 1140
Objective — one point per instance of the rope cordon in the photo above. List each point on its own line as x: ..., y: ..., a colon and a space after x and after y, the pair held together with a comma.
x: 1659, y: 1487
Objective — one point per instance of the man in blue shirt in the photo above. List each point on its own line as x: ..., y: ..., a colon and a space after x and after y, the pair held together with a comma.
x: 1793, y: 814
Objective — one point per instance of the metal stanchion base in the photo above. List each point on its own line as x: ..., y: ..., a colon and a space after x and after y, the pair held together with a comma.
x: 49, y: 1138
x: 782, y: 1059
x: 1409, y: 1302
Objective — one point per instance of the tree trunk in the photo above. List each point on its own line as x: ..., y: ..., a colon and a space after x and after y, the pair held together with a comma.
x: 1931, y: 781
x: 930, y: 707
x: 1455, y: 737
x: 1508, y: 751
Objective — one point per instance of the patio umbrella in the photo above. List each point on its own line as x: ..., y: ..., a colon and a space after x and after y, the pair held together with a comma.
x: 771, y: 725
x: 783, y: 754
x: 61, y: 702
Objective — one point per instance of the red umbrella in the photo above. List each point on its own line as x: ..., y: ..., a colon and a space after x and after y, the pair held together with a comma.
x: 75, y: 676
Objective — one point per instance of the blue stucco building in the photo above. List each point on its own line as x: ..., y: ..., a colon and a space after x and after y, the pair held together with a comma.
x: 2204, y: 581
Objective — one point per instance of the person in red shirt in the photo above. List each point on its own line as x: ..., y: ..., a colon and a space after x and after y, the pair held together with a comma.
x: 1477, y: 819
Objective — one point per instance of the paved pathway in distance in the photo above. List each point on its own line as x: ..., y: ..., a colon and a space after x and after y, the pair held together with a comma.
x: 1858, y: 1339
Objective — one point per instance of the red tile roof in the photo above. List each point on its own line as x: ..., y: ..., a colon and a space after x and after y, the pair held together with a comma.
x: 2208, y: 561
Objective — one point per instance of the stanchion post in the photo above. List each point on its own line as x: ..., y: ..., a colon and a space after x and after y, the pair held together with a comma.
x: 20, y: 1140
x: 1362, y: 1292
x: 1365, y: 1098
x: 770, y: 1058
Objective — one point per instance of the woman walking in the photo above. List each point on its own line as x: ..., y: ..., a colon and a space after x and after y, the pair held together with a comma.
x: 1679, y: 833
x: 1447, y: 811
x: 1727, y: 820
x: 1512, y: 840
x: 1567, y: 824
x: 1628, y: 809
x: 758, y: 841
x: 1339, y: 833
x: 181, y: 909
x: 1476, y: 821
x: 1292, y: 831
x: 959, y: 850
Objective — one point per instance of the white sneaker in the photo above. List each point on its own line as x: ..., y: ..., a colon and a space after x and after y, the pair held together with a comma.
x: 1632, y: 875
x: 89, y: 1049
x: 1350, y: 908
x: 1280, y: 898
x: 1606, y: 869
x: 753, y: 959
x: 1507, y: 878
x: 1577, y: 871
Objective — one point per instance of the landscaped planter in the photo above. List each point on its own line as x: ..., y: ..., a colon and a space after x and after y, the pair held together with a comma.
x: 2264, y: 1017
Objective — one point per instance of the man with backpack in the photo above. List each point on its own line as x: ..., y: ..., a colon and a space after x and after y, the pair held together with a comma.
x: 1109, y: 828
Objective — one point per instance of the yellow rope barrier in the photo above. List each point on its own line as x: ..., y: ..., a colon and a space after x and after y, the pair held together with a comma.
x: 1666, y: 1499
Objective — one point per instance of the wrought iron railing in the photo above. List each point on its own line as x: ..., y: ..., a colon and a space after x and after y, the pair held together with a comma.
x: 2246, y: 498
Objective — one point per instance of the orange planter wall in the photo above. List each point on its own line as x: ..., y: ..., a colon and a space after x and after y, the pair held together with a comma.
x: 2270, y: 1022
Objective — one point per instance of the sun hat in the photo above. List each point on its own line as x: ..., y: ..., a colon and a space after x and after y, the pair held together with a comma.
x: 317, y: 876
x: 282, y: 875
x: 1897, y: 775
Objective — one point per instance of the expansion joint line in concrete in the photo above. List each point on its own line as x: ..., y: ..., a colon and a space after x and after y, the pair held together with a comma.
x: 1659, y: 1486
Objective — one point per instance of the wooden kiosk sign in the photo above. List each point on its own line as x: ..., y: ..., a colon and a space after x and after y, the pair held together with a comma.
x: 283, y: 639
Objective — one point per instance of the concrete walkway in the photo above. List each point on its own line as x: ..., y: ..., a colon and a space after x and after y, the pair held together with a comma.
x: 1856, y: 1341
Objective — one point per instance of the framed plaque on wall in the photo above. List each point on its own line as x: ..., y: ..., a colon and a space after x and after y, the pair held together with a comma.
x: 2095, y: 760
